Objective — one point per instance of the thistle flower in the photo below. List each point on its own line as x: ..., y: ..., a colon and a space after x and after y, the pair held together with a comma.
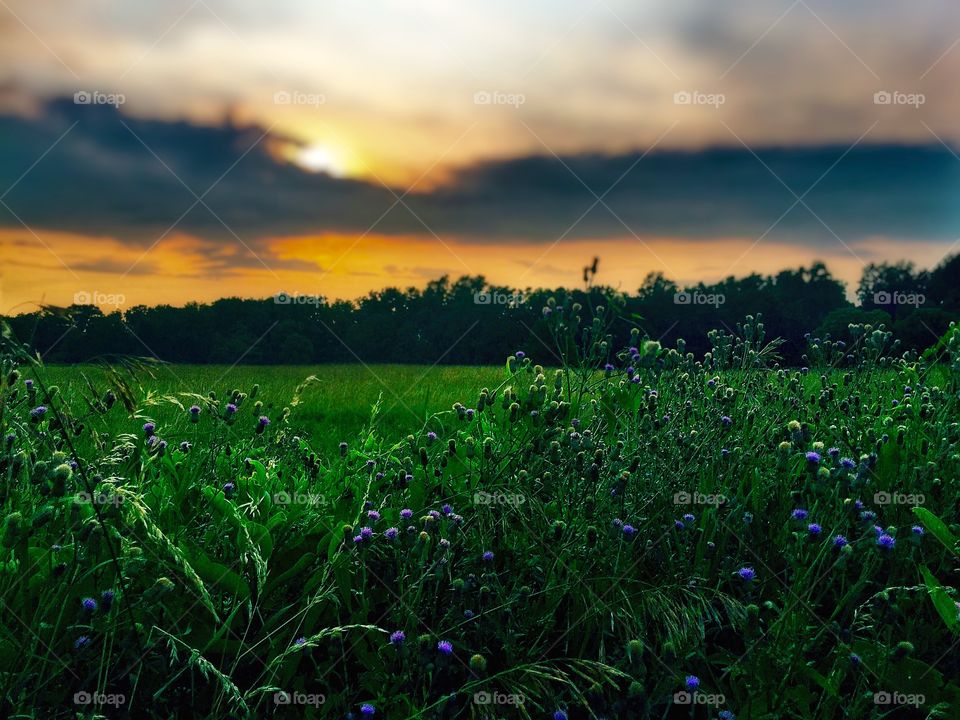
x: 106, y: 600
x: 231, y: 408
x: 89, y: 604
x: 487, y: 556
x: 81, y: 642
x: 38, y: 412
x: 366, y: 533
x: 689, y: 518
x: 368, y: 710
x: 149, y: 428
x: 445, y: 647
x: 917, y: 530
x: 747, y: 574
x: 839, y: 541
x: 229, y: 489
x: 691, y: 683
x: 799, y: 514
x: 262, y: 423
x: 431, y: 437
x: 847, y: 463
x: 725, y: 420
x: 447, y: 509
x: 886, y: 541
x: 397, y: 637
x: 391, y: 533
x: 406, y: 513
x: 373, y: 515
x: 814, y: 529
x: 813, y: 457
x: 560, y: 715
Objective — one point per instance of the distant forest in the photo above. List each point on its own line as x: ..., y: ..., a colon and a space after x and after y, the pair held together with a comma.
x: 468, y: 321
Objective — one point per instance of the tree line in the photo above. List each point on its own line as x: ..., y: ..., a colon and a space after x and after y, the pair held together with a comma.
x: 469, y: 321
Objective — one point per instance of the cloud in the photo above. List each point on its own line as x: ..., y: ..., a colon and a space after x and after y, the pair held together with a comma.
x: 138, y: 179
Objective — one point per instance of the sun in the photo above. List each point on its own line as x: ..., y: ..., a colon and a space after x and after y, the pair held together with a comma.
x: 320, y: 159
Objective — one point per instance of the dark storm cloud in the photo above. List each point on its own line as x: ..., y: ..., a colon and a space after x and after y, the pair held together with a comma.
x: 102, y: 179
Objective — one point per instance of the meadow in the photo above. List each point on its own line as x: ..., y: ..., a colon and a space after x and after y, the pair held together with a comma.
x: 637, y: 533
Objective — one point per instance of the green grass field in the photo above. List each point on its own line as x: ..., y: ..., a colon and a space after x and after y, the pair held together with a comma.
x: 669, y: 537
x: 334, y: 408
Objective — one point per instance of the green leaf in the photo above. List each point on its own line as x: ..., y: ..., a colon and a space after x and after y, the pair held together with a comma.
x: 941, y: 600
x: 937, y: 528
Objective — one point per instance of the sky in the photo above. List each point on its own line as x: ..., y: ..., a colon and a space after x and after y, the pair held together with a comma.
x: 166, y: 152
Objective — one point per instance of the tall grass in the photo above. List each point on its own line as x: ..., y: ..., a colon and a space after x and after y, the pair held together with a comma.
x: 638, y: 533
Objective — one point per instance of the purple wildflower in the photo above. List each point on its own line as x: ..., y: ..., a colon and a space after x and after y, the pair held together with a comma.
x: 397, y: 637
x: 368, y: 710
x: 406, y: 513
x: 839, y: 541
x: 886, y: 541
x: 813, y: 458
x: 814, y: 529
x: 692, y: 682
x: 38, y: 412
x: 487, y: 556
x: 445, y: 647
x: 89, y: 604
x: 391, y: 533
x: 799, y: 514
x: 81, y: 642
x: 747, y: 574
x: 149, y: 428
